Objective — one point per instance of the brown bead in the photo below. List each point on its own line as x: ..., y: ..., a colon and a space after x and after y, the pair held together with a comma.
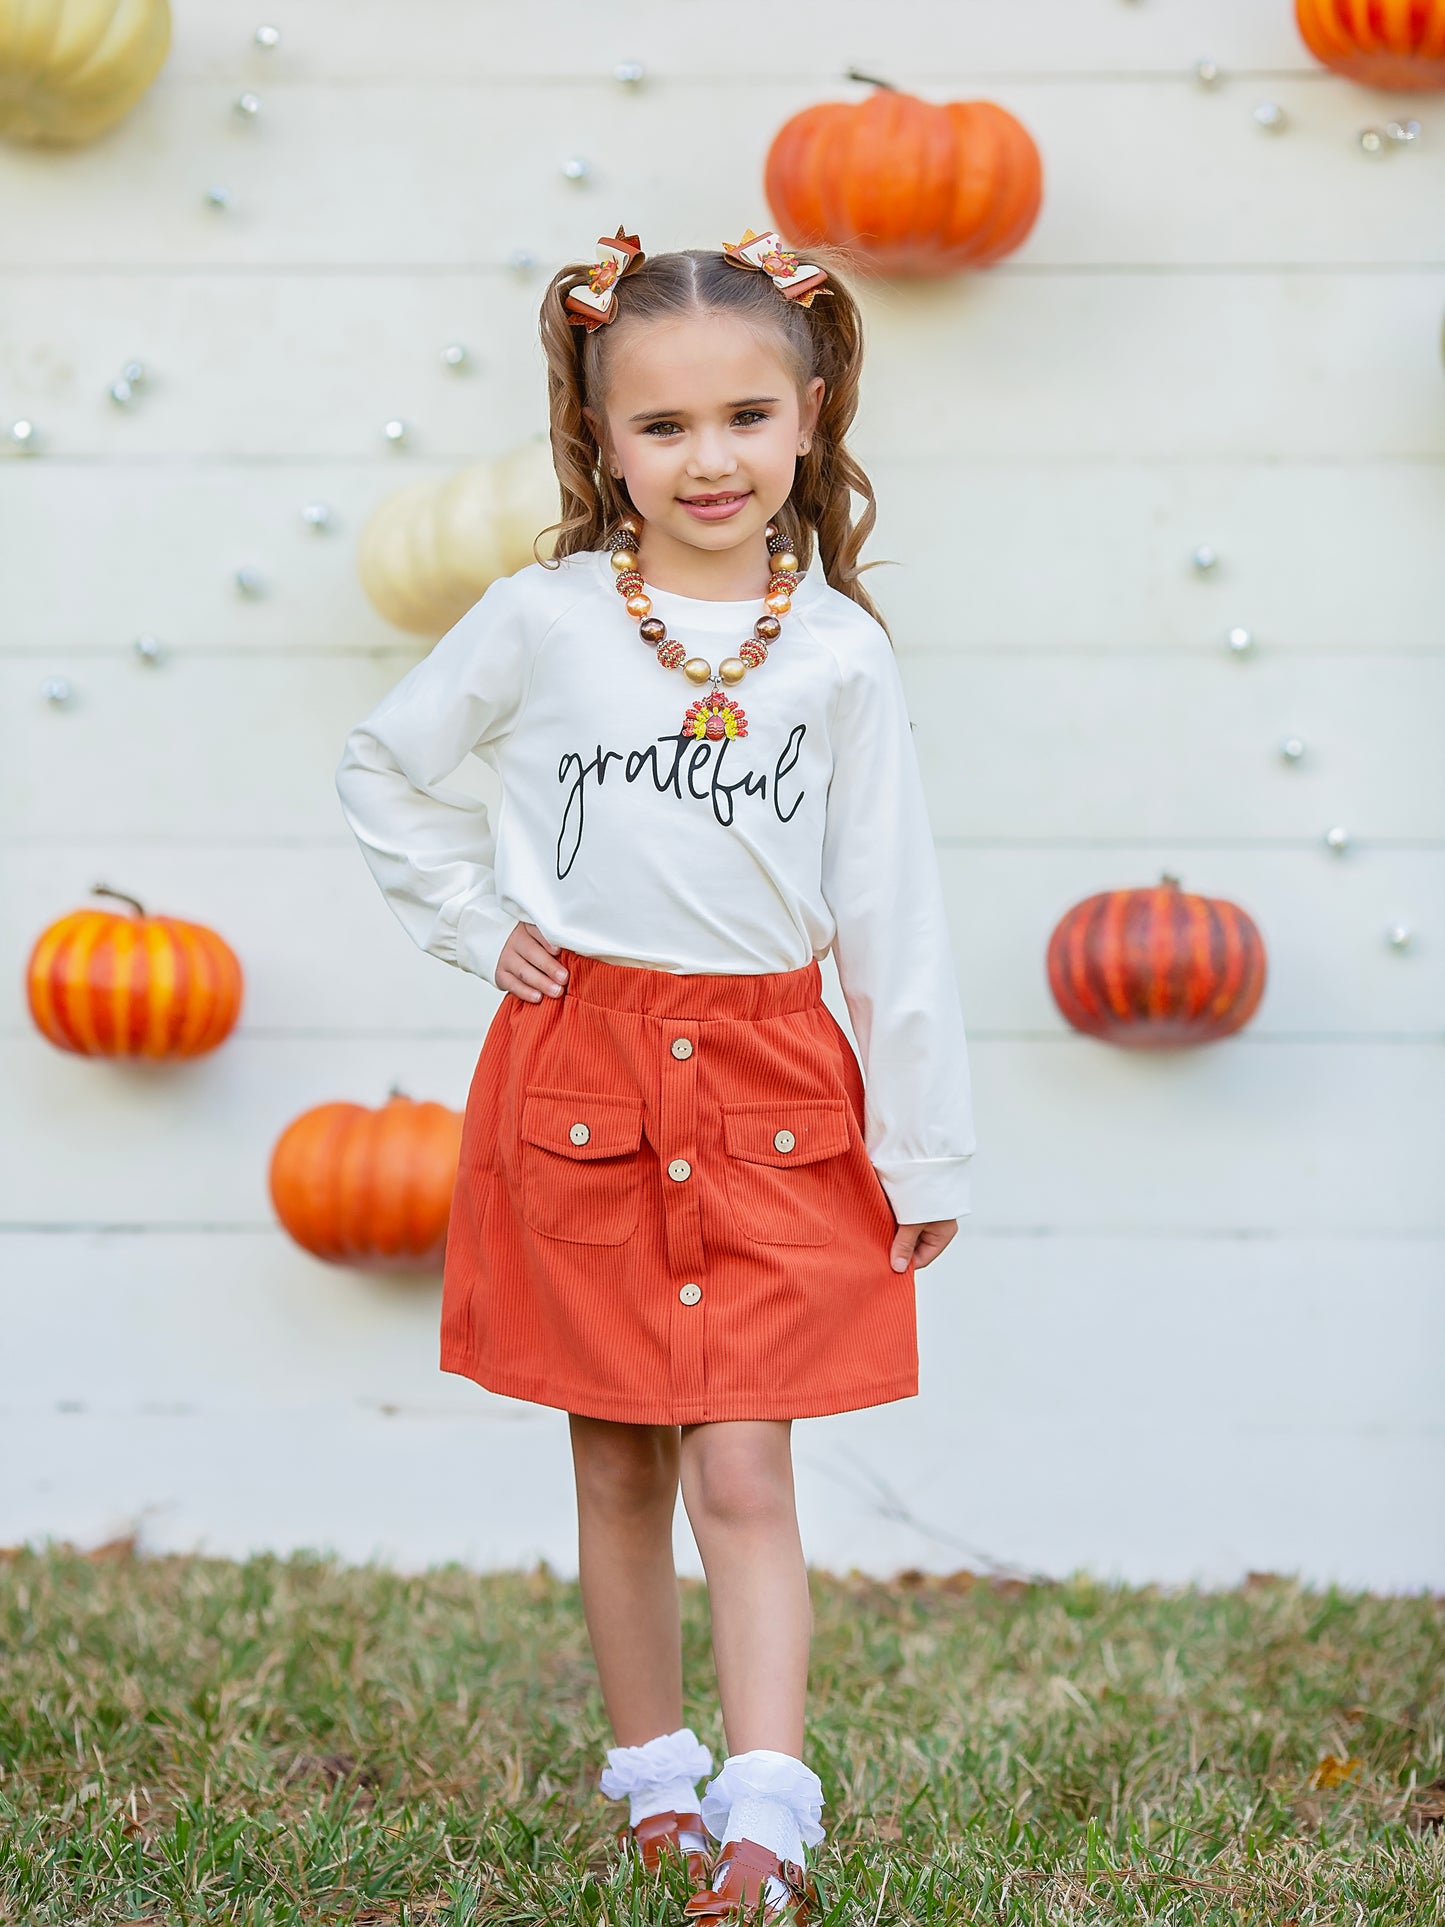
x: 768, y: 627
x: 639, y: 605
x: 653, y: 630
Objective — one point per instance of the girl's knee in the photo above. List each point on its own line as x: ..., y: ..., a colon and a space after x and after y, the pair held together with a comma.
x: 736, y: 1480
x: 624, y: 1468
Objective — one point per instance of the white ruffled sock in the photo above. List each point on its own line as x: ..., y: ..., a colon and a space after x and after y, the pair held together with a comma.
x: 658, y: 1777
x: 772, y: 1823
x: 768, y: 1797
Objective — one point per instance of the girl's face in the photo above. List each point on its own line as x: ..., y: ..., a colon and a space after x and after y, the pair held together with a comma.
x: 704, y: 409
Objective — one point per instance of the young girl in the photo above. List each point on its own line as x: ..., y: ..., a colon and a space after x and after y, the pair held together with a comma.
x: 683, y: 1214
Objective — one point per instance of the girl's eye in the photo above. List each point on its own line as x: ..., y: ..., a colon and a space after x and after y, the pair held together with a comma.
x: 743, y: 414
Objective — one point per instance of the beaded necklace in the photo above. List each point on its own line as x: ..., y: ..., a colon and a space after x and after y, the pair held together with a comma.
x: 713, y: 715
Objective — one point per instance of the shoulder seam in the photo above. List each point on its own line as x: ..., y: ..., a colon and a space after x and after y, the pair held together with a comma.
x: 566, y: 609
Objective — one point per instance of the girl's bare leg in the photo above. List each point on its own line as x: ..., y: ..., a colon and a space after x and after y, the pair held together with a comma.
x: 737, y: 1485
x: 627, y: 1479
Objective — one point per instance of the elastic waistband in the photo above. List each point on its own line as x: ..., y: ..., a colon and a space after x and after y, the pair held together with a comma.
x: 671, y: 993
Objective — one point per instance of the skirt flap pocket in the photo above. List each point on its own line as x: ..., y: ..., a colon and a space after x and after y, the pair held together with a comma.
x: 786, y: 1130
x: 581, y: 1124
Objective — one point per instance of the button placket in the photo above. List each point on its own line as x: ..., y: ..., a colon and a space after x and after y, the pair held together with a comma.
x: 681, y: 1203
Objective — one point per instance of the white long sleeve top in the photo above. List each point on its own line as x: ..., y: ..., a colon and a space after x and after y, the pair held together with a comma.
x: 624, y: 839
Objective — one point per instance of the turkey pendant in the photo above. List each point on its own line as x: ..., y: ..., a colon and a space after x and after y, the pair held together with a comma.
x: 713, y: 716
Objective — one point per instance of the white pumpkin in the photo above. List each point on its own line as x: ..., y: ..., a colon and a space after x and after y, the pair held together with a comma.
x: 70, y: 69
x: 431, y: 550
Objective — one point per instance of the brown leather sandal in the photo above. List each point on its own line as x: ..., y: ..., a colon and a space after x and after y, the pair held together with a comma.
x: 662, y: 1833
x: 740, y: 1881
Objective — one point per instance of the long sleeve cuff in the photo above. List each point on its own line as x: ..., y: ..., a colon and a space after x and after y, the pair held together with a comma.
x: 928, y: 1189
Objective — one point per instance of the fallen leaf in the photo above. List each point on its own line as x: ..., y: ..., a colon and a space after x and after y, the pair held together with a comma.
x: 115, y: 1548
x: 332, y: 1767
x: 1333, y: 1771
x: 961, y: 1581
x: 1427, y: 1809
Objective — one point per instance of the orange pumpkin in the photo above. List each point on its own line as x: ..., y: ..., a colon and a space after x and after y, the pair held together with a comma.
x: 370, y: 1188
x: 913, y: 187
x: 1154, y: 968
x: 108, y: 984
x: 1397, y: 45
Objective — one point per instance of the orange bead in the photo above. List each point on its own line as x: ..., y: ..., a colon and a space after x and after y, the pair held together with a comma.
x: 639, y: 605
x: 779, y: 603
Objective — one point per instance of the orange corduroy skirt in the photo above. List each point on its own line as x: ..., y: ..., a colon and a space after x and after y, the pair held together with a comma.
x: 665, y: 1213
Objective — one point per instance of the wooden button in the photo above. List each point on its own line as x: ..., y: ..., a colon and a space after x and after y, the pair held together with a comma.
x: 682, y: 1047
x: 679, y: 1169
x: 690, y: 1294
x: 783, y: 1140
x: 579, y: 1133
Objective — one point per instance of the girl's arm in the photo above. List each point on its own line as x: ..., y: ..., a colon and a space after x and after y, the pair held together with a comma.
x: 432, y: 848
x: 895, y: 961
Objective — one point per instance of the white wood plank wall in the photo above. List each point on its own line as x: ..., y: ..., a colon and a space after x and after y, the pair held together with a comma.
x: 1196, y: 1323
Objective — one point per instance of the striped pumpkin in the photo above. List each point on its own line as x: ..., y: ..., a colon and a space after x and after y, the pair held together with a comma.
x: 108, y: 984
x: 912, y: 187
x: 1151, y: 969
x: 369, y: 1188
x: 1396, y: 45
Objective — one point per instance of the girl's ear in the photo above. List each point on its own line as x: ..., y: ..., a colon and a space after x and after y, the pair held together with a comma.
x: 813, y: 403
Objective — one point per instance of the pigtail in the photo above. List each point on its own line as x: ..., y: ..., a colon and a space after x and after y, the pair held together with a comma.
x: 830, y: 475
x: 589, y: 496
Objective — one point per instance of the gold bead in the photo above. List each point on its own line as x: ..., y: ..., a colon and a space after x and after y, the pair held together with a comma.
x: 628, y: 526
x: 623, y: 560
x: 697, y: 669
x: 785, y: 564
x: 770, y: 531
x: 639, y: 605
x: 779, y: 603
x: 732, y: 669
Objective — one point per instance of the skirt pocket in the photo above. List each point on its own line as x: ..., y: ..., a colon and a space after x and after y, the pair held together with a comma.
x: 581, y: 1164
x: 783, y: 1163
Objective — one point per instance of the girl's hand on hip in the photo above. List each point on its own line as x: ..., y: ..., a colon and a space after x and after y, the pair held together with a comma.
x: 528, y: 965
x: 921, y: 1242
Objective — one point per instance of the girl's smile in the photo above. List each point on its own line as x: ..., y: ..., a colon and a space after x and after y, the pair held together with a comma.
x: 714, y: 508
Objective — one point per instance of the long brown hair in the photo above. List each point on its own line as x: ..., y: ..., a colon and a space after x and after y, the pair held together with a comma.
x: 824, y: 339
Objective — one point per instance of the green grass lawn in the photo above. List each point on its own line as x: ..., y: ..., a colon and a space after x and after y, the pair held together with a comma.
x: 294, y: 1740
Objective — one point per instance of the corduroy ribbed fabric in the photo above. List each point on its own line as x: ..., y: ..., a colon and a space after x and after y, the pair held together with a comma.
x: 665, y: 1212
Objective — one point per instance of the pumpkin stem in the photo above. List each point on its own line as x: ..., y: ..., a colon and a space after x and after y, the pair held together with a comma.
x: 104, y: 890
x: 1167, y: 882
x: 395, y: 1092
x: 871, y: 80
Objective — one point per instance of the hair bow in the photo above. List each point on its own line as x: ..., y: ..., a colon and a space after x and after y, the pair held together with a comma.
x: 798, y: 280
x: 595, y: 304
